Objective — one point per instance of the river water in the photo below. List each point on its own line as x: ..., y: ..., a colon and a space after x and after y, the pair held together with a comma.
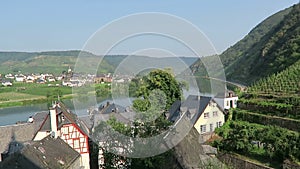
x: 11, y: 115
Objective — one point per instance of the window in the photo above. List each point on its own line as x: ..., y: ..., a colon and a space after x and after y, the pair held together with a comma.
x: 76, y: 143
x: 219, y: 124
x: 211, y: 127
x: 227, y: 103
x: 215, y: 114
x: 206, y: 115
x: 203, y: 128
x: 64, y: 130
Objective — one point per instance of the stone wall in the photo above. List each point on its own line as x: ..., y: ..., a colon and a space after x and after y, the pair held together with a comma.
x: 290, y: 165
x: 238, y: 163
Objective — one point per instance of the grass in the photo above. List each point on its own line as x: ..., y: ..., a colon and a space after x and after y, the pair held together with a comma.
x: 34, y: 89
x: 10, y: 104
x: 29, y: 93
x: 14, y: 96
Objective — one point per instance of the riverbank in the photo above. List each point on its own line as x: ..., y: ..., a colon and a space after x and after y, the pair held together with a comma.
x: 29, y: 101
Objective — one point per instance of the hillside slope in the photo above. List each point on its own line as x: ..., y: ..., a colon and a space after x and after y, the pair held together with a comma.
x: 270, y: 47
x: 254, y: 36
x: 45, y: 62
x: 275, y: 51
x: 286, y: 82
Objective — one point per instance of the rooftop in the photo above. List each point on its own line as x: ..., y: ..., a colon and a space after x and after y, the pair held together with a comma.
x: 46, y: 153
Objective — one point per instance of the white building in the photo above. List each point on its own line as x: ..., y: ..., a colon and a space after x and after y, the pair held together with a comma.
x: 227, y: 100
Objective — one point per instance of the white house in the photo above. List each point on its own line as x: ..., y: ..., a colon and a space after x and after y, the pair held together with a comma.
x: 20, y: 78
x: 9, y: 76
x: 204, y: 112
x: 227, y: 100
x: 6, y: 83
x: 29, y: 79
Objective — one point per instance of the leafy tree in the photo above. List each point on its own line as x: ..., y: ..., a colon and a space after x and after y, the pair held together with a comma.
x: 157, y: 91
x: 161, y: 80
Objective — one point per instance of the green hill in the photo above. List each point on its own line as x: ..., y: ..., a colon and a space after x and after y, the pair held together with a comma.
x: 43, y: 62
x: 270, y: 47
x: 276, y: 51
x: 58, y: 61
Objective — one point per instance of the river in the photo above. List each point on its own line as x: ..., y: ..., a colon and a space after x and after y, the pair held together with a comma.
x: 11, y: 115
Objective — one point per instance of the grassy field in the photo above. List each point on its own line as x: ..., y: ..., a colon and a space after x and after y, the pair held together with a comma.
x: 28, y: 93
x: 14, y: 96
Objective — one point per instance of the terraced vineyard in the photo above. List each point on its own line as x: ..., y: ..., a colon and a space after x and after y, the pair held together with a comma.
x: 265, y: 126
x: 286, y: 82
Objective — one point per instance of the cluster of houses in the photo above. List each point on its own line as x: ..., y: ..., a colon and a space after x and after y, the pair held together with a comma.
x: 30, y: 78
x: 59, y: 139
x: 67, y: 78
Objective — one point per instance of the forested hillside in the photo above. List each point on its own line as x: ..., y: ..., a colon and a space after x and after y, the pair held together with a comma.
x: 270, y: 47
x: 276, y: 51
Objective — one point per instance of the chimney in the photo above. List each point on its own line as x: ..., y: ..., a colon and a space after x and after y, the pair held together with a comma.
x: 53, y: 122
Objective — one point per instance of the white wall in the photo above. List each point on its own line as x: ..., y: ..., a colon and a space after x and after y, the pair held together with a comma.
x: 212, y: 107
x: 40, y: 135
x: 85, y: 160
x: 228, y: 100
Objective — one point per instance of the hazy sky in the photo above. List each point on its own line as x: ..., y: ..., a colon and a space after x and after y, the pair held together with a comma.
x: 35, y: 25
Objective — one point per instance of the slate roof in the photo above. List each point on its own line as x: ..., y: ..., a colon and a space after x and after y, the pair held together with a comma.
x: 207, y: 149
x: 191, y: 154
x: 112, y: 108
x: 46, y: 153
x: 196, y: 106
x: 174, y: 111
x: 69, y: 118
x: 21, y: 132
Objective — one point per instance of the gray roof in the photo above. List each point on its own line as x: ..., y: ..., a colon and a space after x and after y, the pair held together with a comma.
x: 20, y: 133
x: 207, y: 149
x: 189, y: 151
x: 69, y: 118
x: 110, y: 108
x: 174, y: 111
x: 191, y: 154
x: 46, y: 153
x: 196, y: 105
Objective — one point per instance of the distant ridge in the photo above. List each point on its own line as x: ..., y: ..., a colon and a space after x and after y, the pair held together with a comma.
x: 58, y: 61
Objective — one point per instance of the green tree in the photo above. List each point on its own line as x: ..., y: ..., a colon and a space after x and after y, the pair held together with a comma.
x: 161, y: 80
x: 157, y: 91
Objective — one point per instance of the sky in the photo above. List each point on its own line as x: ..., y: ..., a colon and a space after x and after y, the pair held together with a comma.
x: 35, y: 25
